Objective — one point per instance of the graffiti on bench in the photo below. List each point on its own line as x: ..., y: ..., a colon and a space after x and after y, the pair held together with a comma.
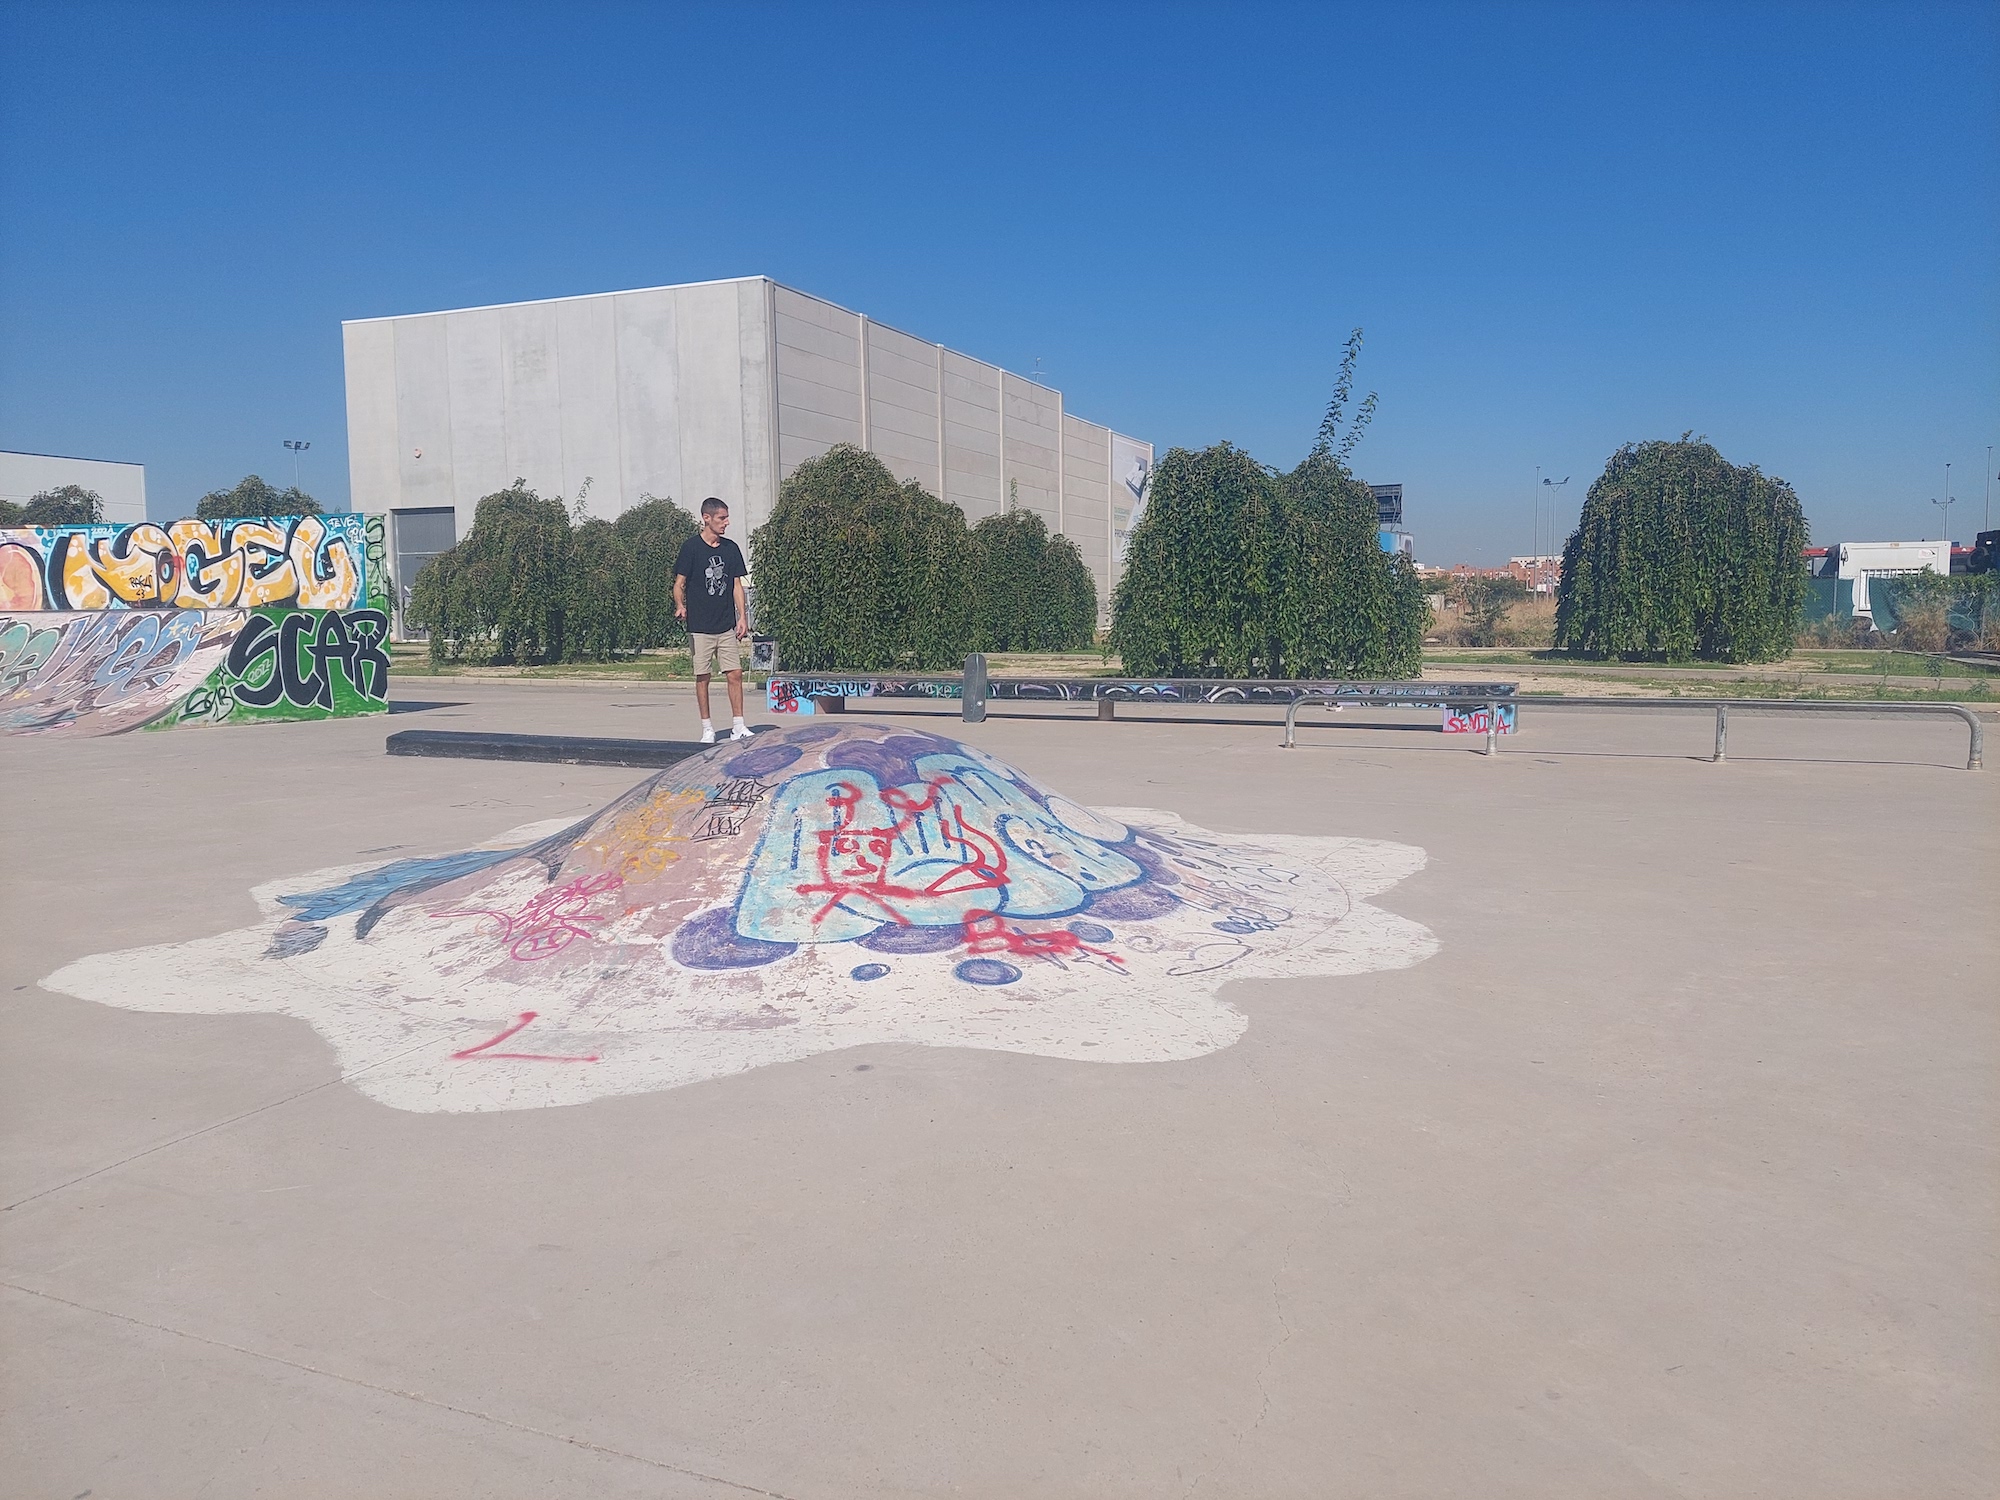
x: 1478, y: 720
x: 795, y: 694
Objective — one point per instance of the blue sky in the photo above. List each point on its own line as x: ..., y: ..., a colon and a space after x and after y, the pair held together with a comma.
x: 1564, y: 228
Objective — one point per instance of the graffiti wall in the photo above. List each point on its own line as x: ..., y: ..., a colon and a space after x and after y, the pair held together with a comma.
x: 305, y: 562
x: 109, y: 671
x: 825, y: 886
x: 107, y: 628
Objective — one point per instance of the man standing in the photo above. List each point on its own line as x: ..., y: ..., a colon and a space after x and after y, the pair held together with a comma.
x: 708, y: 598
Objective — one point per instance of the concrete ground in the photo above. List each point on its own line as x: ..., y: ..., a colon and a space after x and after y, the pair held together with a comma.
x: 1672, y: 1174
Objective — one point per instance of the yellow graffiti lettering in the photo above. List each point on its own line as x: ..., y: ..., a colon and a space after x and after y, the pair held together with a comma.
x: 211, y: 572
x: 271, y: 577
x: 310, y: 548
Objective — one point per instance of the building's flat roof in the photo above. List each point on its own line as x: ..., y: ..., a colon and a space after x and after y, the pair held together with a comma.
x: 70, y: 458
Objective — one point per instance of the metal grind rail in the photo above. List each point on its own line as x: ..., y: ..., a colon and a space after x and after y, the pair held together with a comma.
x: 1975, y: 752
x: 974, y: 691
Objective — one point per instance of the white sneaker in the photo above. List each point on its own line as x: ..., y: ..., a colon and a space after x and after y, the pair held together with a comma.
x: 740, y: 732
x: 708, y: 736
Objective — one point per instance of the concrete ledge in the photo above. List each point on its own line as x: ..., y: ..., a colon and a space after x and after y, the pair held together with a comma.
x: 565, y: 749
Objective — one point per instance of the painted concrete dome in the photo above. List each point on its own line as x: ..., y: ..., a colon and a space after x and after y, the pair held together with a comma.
x: 821, y: 886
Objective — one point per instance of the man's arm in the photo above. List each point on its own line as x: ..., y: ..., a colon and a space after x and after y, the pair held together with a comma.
x: 742, y: 611
x: 680, y: 596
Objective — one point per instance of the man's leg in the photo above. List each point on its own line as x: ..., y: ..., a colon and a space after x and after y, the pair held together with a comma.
x: 735, y: 681
x: 701, y: 696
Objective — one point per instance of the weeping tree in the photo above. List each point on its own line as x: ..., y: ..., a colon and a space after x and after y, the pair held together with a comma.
x: 66, y: 505
x: 1032, y: 591
x: 1237, y: 570
x: 856, y: 572
x: 603, y: 602
x: 503, y: 592
x: 1683, y: 555
x: 254, y: 496
x: 653, y: 531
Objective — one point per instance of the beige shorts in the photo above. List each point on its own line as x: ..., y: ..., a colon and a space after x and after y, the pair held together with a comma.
x: 712, y: 649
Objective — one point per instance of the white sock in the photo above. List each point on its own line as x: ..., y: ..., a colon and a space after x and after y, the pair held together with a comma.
x: 706, y: 727
x: 737, y: 722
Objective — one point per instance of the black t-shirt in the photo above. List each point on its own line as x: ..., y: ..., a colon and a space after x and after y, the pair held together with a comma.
x: 711, y: 574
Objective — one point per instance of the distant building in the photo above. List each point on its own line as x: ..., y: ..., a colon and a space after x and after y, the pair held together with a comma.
x: 1388, y: 506
x: 1540, y: 575
x: 713, y: 388
x: 122, y: 486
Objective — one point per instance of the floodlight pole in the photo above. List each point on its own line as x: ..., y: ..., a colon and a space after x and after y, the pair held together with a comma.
x: 296, y: 446
x: 1944, y: 526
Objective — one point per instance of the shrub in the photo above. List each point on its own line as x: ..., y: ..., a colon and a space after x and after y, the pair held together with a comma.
x: 858, y: 572
x: 1199, y: 567
x: 1239, y: 571
x: 1031, y: 590
x: 653, y: 531
x: 503, y: 591
x: 253, y: 497
x: 69, y: 505
x: 1482, y: 605
x: 1683, y: 555
x: 603, y: 607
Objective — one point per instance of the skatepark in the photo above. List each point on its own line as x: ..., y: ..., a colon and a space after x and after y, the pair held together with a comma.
x: 1611, y: 1122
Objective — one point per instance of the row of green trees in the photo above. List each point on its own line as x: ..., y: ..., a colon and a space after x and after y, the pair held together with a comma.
x: 67, y: 505
x: 1239, y: 570
x: 855, y: 572
x: 858, y: 572
x: 529, y: 585
x: 73, y: 505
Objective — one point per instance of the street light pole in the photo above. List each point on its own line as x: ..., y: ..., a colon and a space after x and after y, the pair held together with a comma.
x: 295, y: 447
x: 1551, y: 485
x: 1989, y: 488
x: 1944, y: 525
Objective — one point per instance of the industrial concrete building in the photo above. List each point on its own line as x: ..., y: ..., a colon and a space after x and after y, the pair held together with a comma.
x: 713, y: 388
x: 121, y: 486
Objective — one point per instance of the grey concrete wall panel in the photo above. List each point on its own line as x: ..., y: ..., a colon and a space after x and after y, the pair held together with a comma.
x: 533, y: 379
x: 711, y: 394
x: 1030, y: 452
x: 369, y: 352
x: 649, y: 395
x: 819, y: 377
x: 972, y: 436
x: 903, y: 404
x: 1087, y: 499
x: 475, y: 348
x: 423, y: 413
x: 760, y: 417
x: 587, y: 361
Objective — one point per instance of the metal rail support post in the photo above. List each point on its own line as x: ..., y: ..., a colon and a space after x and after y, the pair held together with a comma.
x: 1107, y: 709
x: 1721, y: 733
x: 972, y: 691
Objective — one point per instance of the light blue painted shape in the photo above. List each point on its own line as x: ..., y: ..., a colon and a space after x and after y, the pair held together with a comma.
x: 826, y: 873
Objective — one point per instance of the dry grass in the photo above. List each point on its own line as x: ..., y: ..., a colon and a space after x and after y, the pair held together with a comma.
x: 1529, y: 624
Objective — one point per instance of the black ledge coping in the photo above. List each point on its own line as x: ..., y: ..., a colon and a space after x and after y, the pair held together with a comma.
x: 565, y: 749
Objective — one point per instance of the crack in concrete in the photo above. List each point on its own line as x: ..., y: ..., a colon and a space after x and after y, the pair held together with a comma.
x: 202, y: 1130
x: 417, y: 1397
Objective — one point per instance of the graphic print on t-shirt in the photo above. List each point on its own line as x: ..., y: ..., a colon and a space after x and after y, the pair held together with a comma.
x: 716, y: 576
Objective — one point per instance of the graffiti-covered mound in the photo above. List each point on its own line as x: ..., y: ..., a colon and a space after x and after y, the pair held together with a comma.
x: 820, y: 887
